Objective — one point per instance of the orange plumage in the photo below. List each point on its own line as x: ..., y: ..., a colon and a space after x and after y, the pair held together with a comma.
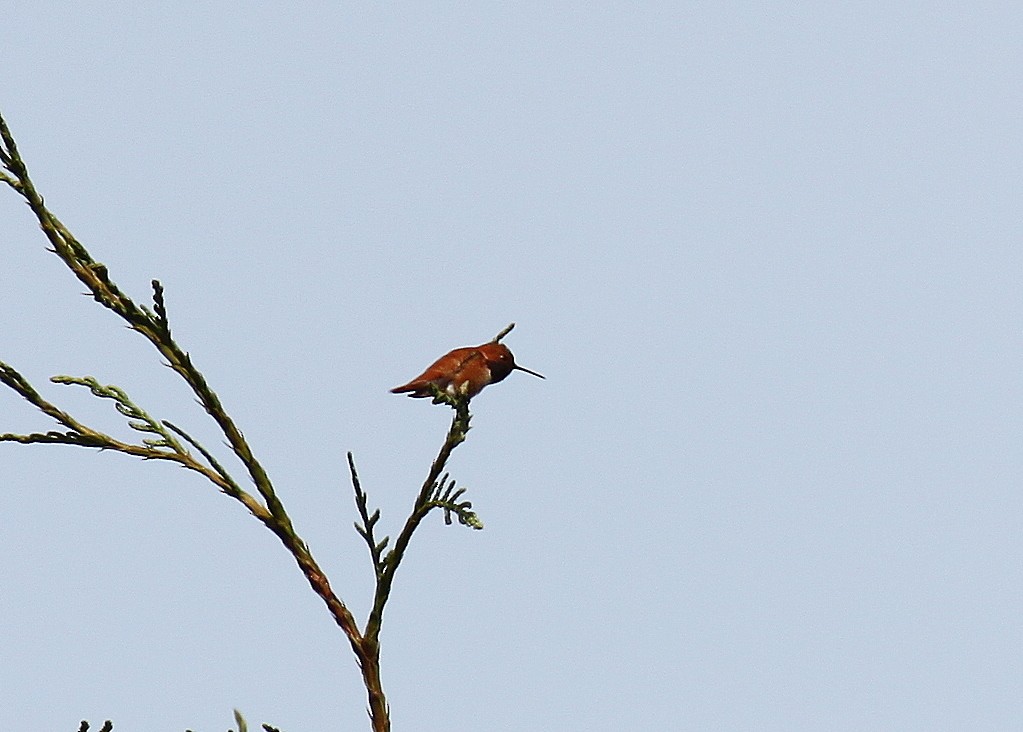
x: 464, y: 370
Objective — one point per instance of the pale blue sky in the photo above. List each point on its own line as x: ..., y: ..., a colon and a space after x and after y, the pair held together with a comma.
x: 767, y: 255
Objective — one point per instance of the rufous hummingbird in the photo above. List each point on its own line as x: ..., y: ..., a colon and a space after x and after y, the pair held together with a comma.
x: 465, y: 371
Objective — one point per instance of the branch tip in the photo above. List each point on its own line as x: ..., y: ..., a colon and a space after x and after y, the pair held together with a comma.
x: 503, y: 333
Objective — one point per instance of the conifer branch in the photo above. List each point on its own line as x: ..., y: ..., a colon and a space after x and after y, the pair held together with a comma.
x: 423, y: 504
x: 366, y: 529
x: 154, y: 326
x: 446, y: 497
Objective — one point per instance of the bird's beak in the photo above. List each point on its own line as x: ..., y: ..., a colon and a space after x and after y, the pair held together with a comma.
x: 520, y: 368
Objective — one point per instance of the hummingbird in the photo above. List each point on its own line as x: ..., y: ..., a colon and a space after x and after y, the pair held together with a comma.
x: 465, y: 371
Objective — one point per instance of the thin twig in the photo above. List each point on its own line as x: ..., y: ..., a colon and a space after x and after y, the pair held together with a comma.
x: 503, y: 333
x: 366, y: 530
